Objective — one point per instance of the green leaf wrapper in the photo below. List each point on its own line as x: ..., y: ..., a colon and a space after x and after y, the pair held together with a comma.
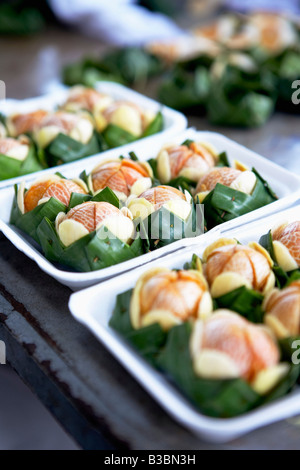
x: 129, y: 66
x: 155, y: 126
x: 147, y: 340
x: 162, y: 227
x: 30, y: 221
x: 106, y: 195
x: 223, y: 203
x: 240, y: 98
x: 246, y: 302
x: 64, y: 149
x: 115, y: 136
x: 184, y: 90
x: 182, y: 183
x: 95, y: 251
x: 11, y: 167
x: 194, y: 264
x: 223, y: 160
x: 217, y: 398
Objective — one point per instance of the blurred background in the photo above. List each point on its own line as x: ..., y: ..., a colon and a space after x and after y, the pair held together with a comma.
x: 229, y: 65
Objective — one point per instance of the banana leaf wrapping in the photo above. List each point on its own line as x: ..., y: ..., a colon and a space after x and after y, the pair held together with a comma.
x: 11, y: 167
x: 64, y: 149
x: 130, y: 65
x: 283, y: 279
x: 147, y: 340
x: 246, y: 302
x: 106, y: 195
x: 162, y: 227
x: 286, y: 70
x: 115, y: 136
x: 97, y: 250
x: 186, y: 90
x: 223, y: 203
x: 216, y: 398
x: 20, y: 18
x: 170, y: 353
x: 241, y: 98
x: 30, y: 221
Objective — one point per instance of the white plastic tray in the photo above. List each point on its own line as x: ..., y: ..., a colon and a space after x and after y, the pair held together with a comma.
x: 174, y: 121
x: 94, y: 306
x: 285, y: 184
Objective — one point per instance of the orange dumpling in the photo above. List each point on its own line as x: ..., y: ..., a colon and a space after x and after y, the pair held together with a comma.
x: 229, y: 266
x: 286, y: 244
x: 81, y: 97
x: 24, y: 123
x: 50, y: 186
x: 79, y: 127
x: 126, y: 115
x: 226, y: 345
x: 124, y: 177
x: 161, y: 196
x: 282, y: 309
x: 169, y: 298
x: 243, y: 181
x: 90, y: 216
x: 15, y: 148
x: 191, y: 161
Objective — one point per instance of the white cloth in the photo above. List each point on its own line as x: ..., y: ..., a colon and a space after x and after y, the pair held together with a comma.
x: 120, y: 22
x: 288, y: 6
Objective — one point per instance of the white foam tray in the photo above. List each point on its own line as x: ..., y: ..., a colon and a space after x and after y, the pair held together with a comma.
x: 94, y: 306
x: 174, y: 121
x: 285, y: 184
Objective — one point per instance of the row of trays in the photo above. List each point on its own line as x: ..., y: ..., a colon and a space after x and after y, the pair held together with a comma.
x: 155, y: 342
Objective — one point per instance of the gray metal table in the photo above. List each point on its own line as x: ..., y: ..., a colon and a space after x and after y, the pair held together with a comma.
x: 90, y: 394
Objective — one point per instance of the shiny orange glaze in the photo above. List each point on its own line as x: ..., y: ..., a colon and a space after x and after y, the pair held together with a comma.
x: 179, y: 292
x: 60, y: 190
x: 239, y: 259
x: 90, y: 214
x: 250, y: 347
x: 223, y: 175
x: 118, y: 175
x: 289, y: 236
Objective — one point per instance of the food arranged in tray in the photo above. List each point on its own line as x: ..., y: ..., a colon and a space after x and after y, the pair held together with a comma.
x: 73, y: 124
x: 236, y: 69
x: 205, y: 326
x: 125, y: 207
x: 220, y: 325
x: 84, y: 226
